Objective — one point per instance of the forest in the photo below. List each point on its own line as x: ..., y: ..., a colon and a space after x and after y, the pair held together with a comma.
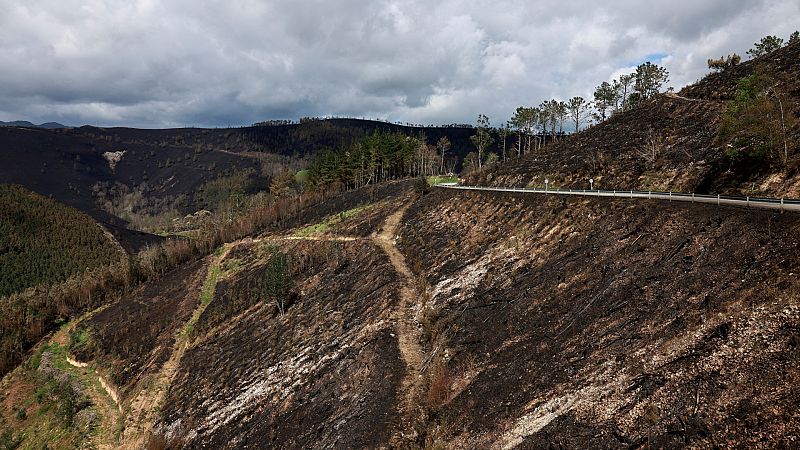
x: 44, y: 242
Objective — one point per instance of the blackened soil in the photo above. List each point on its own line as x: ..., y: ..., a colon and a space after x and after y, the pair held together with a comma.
x: 135, y: 335
x: 586, y: 324
x: 323, y: 375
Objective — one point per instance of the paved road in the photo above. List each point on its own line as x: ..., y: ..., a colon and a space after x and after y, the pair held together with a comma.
x: 747, y: 202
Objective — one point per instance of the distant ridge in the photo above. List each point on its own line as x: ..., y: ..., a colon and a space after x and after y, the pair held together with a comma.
x: 25, y: 123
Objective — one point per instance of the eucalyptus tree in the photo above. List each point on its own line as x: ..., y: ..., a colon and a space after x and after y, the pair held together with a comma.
x: 563, y: 112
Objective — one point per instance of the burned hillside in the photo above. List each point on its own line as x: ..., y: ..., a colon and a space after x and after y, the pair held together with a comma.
x: 674, y: 140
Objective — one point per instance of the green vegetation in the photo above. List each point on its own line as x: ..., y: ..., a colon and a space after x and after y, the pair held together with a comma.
x: 766, y: 45
x: 752, y: 128
x: 226, y: 192
x: 276, y: 282
x: 330, y: 221
x: 376, y: 158
x: 439, y: 179
x: 52, y: 406
x: 43, y: 241
x: 210, y: 286
x: 29, y: 315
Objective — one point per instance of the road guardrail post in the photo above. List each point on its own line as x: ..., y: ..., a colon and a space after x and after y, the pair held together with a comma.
x: 649, y: 195
x: 781, y: 204
x: 717, y: 199
x: 692, y: 197
x: 631, y: 193
x: 748, y: 202
x: 670, y: 195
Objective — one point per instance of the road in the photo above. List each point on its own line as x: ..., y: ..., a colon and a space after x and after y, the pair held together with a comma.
x: 779, y: 204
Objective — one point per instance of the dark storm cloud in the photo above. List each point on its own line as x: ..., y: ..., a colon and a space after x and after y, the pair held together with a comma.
x: 170, y: 63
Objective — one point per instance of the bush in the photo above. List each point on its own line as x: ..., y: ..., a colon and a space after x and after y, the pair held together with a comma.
x: 751, y: 127
x: 421, y: 186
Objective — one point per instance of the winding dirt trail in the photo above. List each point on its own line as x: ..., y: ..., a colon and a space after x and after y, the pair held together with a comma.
x: 146, y: 405
x: 408, y: 333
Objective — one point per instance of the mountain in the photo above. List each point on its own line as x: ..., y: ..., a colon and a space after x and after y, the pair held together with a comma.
x: 23, y: 123
x: 168, y: 169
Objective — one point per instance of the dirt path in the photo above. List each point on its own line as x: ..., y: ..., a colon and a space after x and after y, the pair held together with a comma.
x: 312, y: 238
x: 408, y: 333
x: 145, y: 406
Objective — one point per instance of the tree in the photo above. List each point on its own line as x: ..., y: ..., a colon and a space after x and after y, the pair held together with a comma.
x: 622, y: 88
x: 283, y: 185
x: 650, y: 78
x: 604, y: 99
x: 482, y: 138
x: 794, y: 38
x: 471, y: 162
x: 562, y: 112
x: 577, y: 108
x: 492, y: 158
x: 443, y: 145
x: 504, y: 131
x: 724, y: 63
x: 524, y: 121
x: 550, y: 110
x: 767, y: 44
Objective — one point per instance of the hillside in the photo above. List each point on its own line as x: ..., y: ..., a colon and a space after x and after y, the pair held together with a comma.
x: 44, y: 242
x: 673, y: 141
x: 451, y: 320
x: 146, y: 179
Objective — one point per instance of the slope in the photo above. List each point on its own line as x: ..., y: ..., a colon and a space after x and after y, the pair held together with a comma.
x: 573, y: 323
x: 44, y: 242
x: 459, y: 320
x: 671, y: 142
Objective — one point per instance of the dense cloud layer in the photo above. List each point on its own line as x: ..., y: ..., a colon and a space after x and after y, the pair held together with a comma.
x: 232, y: 62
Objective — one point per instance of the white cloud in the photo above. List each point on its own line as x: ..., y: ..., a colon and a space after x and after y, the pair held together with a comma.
x: 215, y: 62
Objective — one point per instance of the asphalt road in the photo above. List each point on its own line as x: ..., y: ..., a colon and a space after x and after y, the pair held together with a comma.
x: 720, y: 200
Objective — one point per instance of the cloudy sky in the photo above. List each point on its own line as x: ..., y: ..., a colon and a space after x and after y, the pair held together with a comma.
x: 152, y: 63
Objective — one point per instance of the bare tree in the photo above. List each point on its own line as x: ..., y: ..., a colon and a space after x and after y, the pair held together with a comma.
x: 443, y: 145
x: 504, y: 131
x: 654, y: 145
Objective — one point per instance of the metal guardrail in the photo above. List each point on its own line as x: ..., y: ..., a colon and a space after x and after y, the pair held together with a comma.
x: 780, y: 204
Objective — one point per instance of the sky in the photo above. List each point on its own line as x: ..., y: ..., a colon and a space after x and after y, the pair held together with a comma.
x: 170, y: 63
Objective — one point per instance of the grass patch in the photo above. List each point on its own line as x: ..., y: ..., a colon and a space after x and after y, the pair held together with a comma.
x: 330, y: 221
x: 207, y: 294
x: 439, y: 179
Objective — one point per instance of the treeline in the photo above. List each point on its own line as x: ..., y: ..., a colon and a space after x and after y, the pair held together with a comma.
x: 29, y: 315
x: 43, y: 241
x: 379, y: 157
